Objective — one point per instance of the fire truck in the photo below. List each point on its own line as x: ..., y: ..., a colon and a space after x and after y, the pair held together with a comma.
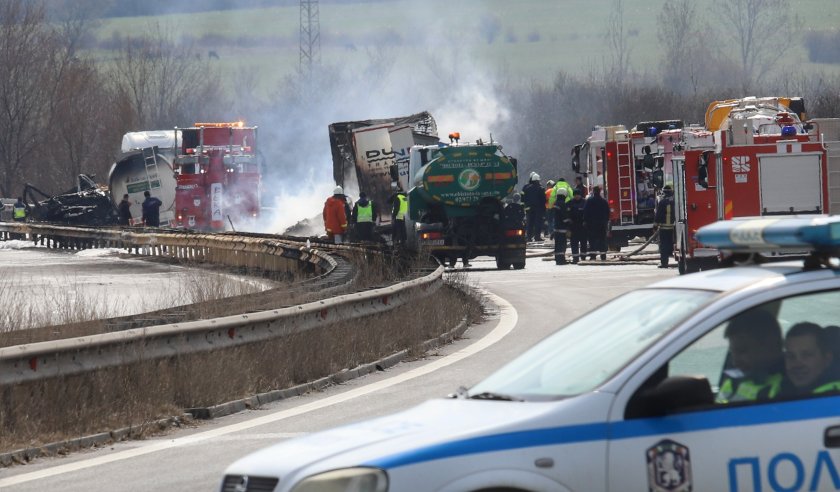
x: 217, y: 177
x: 755, y: 157
x: 629, y: 166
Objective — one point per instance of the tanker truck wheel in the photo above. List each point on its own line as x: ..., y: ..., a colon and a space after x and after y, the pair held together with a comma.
x: 518, y: 260
x: 502, y: 263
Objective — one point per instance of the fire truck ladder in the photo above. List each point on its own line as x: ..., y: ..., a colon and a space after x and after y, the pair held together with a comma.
x: 150, y: 162
x: 625, y: 182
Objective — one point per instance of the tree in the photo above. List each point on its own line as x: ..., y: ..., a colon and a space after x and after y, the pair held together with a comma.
x: 166, y: 83
x: 761, y: 33
x: 619, y: 43
x: 28, y: 55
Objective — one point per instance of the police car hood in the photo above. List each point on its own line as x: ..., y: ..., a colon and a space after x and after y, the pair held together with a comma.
x: 424, y: 427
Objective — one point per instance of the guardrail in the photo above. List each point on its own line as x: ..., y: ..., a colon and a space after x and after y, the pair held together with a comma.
x: 40, y: 360
x: 72, y: 356
x: 269, y: 254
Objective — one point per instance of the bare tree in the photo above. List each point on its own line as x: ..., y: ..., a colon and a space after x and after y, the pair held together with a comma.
x: 165, y: 82
x: 761, y: 33
x: 619, y: 43
x: 27, y: 85
x: 75, y: 19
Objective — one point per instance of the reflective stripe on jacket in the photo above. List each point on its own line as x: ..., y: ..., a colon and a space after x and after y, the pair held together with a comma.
x: 733, y: 390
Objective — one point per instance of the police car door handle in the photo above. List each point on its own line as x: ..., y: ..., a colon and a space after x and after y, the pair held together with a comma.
x: 831, y: 439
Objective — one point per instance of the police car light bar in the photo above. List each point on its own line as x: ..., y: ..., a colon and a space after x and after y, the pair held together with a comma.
x: 819, y: 233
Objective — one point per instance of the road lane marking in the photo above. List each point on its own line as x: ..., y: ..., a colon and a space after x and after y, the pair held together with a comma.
x: 508, y: 318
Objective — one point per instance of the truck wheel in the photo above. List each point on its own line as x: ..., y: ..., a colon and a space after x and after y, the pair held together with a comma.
x: 681, y: 265
x: 452, y: 261
x: 519, y: 265
x: 502, y: 263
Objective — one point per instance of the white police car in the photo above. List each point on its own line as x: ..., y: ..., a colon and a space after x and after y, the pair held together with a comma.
x: 621, y: 399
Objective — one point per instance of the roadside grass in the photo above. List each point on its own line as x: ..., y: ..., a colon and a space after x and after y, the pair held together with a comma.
x: 39, y: 412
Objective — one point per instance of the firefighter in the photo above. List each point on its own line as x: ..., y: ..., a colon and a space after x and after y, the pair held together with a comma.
x: 399, y: 209
x: 548, y: 230
x: 579, y: 186
x: 596, y: 218
x: 151, y: 210
x: 664, y: 223
x: 534, y: 198
x: 335, y: 216
x: 561, y: 226
x: 562, y: 184
x: 578, y: 232
x: 363, y: 217
x: 124, y: 210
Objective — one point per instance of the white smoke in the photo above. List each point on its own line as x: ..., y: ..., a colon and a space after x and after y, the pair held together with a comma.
x: 430, y: 70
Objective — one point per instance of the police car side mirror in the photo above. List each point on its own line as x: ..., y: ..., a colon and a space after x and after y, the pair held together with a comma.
x: 673, y: 395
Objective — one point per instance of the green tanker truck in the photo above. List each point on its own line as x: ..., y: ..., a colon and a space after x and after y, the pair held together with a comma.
x: 455, y: 203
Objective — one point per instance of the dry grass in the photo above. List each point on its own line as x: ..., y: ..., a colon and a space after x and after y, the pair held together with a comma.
x: 32, y: 414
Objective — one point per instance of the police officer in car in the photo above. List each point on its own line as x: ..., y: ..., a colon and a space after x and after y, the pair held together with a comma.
x: 755, y: 350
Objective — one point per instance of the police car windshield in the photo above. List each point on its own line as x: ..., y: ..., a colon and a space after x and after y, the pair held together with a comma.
x: 583, y: 355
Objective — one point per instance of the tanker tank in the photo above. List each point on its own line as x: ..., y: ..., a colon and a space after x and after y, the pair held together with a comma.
x: 132, y: 174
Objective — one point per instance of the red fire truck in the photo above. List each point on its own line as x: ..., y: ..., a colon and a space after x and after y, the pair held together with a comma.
x: 629, y: 166
x: 755, y: 157
x: 217, y: 177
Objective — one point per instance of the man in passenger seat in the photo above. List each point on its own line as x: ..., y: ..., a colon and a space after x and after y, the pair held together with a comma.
x: 808, y: 362
x: 755, y: 348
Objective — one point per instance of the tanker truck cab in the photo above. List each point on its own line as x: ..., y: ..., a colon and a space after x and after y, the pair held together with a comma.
x: 456, y: 203
x: 630, y: 396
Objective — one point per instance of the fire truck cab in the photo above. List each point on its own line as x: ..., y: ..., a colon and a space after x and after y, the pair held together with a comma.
x: 756, y: 157
x: 630, y: 166
x: 218, y: 177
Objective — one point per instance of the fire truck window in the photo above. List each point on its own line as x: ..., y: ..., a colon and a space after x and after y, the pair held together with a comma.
x: 188, y: 169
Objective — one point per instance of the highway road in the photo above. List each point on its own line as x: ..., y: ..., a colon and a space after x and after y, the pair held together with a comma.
x: 524, y: 305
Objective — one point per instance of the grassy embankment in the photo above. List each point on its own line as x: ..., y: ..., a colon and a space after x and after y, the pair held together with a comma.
x: 57, y: 409
x: 534, y: 39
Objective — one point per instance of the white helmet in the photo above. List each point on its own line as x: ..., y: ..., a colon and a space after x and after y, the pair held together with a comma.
x: 535, y: 177
x: 562, y: 192
x: 338, y: 190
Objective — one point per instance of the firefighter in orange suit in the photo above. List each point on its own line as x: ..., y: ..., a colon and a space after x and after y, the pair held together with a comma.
x: 335, y: 216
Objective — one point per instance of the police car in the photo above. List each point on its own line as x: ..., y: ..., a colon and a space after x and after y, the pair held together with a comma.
x: 623, y: 398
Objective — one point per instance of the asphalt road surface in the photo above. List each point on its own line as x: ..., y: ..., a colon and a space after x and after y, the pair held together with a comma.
x: 526, y: 306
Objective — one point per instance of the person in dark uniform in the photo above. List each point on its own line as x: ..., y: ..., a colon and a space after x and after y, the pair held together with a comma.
x: 596, y: 217
x: 561, y: 226
x: 578, y: 236
x: 533, y: 194
x: 151, y: 210
x: 124, y: 210
x: 664, y: 223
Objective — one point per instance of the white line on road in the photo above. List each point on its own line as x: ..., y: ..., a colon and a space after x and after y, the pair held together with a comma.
x: 507, y: 320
